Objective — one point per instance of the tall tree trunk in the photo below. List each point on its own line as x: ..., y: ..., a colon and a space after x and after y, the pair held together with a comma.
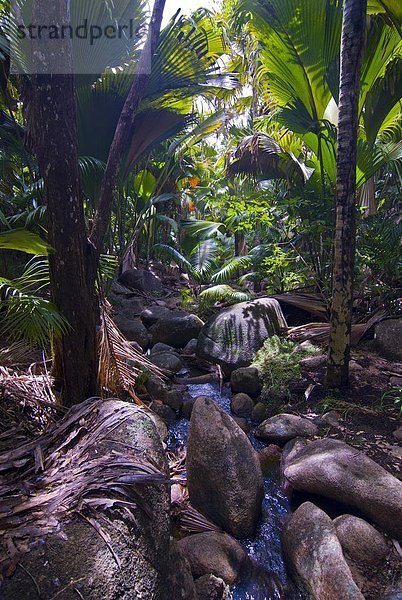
x: 353, y: 27
x: 53, y: 128
x: 73, y: 266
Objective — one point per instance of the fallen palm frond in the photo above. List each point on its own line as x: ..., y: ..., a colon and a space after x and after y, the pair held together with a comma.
x: 27, y: 403
x: 186, y: 518
x: 189, y: 520
x: 318, y: 333
x: 311, y: 303
x: 64, y: 472
x: 17, y: 354
x: 120, y: 364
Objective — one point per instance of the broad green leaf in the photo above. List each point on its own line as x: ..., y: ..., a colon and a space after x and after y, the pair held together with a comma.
x: 24, y: 241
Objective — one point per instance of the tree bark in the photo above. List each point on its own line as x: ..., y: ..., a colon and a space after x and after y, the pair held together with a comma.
x: 51, y: 112
x: 73, y: 265
x: 353, y: 28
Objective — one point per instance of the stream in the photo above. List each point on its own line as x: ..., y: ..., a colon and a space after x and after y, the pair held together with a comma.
x: 269, y: 580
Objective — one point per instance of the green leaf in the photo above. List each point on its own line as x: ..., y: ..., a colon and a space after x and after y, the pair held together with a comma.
x: 24, y: 241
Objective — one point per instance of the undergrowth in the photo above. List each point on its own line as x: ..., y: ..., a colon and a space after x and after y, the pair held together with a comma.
x: 278, y: 362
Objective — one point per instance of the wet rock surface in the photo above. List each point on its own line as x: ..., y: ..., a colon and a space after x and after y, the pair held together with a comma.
x: 216, y: 553
x: 223, y: 471
x: 283, y: 428
x: 177, y: 331
x: 247, y: 380
x: 209, y: 587
x: 315, y: 556
x: 335, y: 470
x: 232, y: 337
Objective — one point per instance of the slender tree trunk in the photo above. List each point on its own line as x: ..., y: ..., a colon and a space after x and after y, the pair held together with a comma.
x: 240, y: 243
x: 53, y: 128
x: 353, y: 27
x: 124, y: 126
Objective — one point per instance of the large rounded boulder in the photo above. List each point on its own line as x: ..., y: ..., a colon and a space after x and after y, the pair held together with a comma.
x: 96, y: 518
x: 314, y: 555
x: 223, y: 471
x: 335, y: 470
x: 176, y: 329
x: 141, y: 280
x: 283, y: 428
x: 233, y: 336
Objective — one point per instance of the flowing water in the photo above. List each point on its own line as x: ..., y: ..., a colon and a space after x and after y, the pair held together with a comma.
x: 269, y: 580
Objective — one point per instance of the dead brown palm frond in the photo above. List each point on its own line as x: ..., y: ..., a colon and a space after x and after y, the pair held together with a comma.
x: 17, y: 354
x: 189, y: 520
x: 177, y: 463
x: 186, y: 518
x: 27, y: 402
x: 319, y: 332
x: 120, y: 364
x: 311, y: 303
x: 74, y: 468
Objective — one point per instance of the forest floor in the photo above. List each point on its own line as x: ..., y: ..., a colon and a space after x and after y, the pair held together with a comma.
x: 368, y: 414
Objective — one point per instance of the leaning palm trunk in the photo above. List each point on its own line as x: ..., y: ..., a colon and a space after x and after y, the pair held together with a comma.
x: 353, y: 27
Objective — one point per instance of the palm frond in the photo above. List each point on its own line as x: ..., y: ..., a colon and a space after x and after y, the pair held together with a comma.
x: 220, y: 293
x: 119, y: 363
x: 231, y: 268
x: 24, y: 241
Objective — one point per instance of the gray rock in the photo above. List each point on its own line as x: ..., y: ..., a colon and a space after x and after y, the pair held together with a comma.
x: 80, y: 555
x: 233, y: 336
x: 398, y: 434
x: 133, y: 330
x: 152, y: 314
x: 289, y: 452
x: 180, y: 583
x: 216, y: 553
x: 174, y: 398
x: 333, y: 469
x: 313, y: 362
x: 191, y: 347
x: 142, y: 280
x: 331, y: 418
x: 167, y: 362
x: 282, y: 428
x: 314, y: 555
x: 187, y: 408
x: 156, y: 387
x: 361, y: 541
x: 130, y: 307
x: 176, y: 330
x: 260, y: 412
x: 209, y: 587
x: 223, y: 471
x: 247, y: 380
x: 161, y: 349
x: 394, y: 592
x: 166, y: 413
x: 242, y: 423
x: 242, y: 405
x: 388, y: 335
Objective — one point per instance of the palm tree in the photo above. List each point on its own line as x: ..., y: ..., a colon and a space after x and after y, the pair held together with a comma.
x: 353, y: 28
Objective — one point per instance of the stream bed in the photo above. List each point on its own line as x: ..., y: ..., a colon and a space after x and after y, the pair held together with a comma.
x: 269, y: 580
